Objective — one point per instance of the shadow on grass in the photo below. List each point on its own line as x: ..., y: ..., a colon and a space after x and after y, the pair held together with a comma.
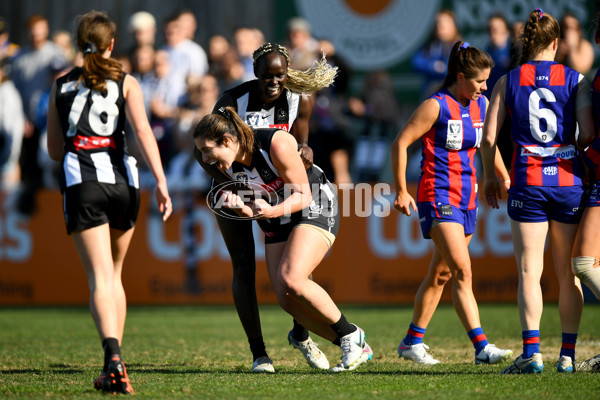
x: 21, y: 371
x: 179, y: 369
x: 54, y: 369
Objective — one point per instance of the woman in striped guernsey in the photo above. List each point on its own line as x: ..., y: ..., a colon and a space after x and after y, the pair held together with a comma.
x: 297, y: 210
x: 449, y: 124
x: 279, y: 98
x: 99, y: 180
x: 547, y: 102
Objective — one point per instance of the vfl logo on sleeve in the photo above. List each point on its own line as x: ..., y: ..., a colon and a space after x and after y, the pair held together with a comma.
x: 454, y: 136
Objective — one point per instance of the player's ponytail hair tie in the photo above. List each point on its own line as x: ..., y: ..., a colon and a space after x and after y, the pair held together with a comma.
x: 89, y: 48
x: 540, y: 12
x: 224, y: 112
x: 463, y: 46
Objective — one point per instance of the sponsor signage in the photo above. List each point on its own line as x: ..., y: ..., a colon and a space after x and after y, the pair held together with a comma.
x: 379, y: 257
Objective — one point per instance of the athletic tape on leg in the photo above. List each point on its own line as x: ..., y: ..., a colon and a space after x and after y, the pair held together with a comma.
x: 583, y: 268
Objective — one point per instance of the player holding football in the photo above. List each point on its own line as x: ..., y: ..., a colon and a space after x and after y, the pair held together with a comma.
x: 300, y: 224
x: 279, y: 99
x: 449, y: 125
x: 547, y: 102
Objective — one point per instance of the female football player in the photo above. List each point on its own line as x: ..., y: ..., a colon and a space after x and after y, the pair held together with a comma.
x: 546, y: 102
x: 298, y: 212
x: 278, y: 98
x: 99, y: 180
x: 449, y: 125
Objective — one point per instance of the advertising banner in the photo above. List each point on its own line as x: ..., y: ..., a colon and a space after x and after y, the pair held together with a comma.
x: 379, y: 256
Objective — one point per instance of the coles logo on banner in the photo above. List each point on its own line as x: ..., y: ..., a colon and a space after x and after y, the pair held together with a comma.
x: 371, y: 34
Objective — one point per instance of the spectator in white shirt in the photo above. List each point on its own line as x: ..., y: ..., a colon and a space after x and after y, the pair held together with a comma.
x: 187, y: 58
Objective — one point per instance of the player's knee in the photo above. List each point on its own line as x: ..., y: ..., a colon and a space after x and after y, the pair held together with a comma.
x: 463, y: 273
x: 442, y: 277
x: 583, y: 268
x: 294, y: 286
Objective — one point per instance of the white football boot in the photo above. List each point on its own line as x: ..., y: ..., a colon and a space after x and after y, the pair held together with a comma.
x: 313, y: 355
x: 355, y: 351
x: 417, y: 353
x: 490, y: 354
x: 263, y: 365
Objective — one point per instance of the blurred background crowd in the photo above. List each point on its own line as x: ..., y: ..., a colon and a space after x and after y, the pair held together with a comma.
x: 182, y: 77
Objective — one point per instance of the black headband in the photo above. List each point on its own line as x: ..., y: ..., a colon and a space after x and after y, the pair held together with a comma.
x: 89, y: 48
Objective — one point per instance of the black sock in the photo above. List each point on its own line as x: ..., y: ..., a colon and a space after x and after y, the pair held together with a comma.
x: 342, y: 328
x: 110, y: 346
x: 257, y: 347
x: 299, y: 332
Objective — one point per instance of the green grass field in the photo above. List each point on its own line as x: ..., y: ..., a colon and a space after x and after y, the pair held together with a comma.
x: 202, y: 352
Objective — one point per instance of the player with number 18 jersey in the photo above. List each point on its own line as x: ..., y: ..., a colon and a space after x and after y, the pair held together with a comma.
x: 95, y: 146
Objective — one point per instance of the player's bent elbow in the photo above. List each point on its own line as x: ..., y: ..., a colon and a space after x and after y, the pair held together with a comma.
x: 487, y: 142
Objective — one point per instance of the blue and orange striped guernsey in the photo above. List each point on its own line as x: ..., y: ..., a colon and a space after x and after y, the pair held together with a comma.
x: 540, y: 98
x: 592, y: 153
x: 448, y: 169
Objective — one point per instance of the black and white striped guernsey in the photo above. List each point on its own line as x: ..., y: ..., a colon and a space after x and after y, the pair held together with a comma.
x: 93, y: 131
x: 246, y: 101
x: 263, y: 180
